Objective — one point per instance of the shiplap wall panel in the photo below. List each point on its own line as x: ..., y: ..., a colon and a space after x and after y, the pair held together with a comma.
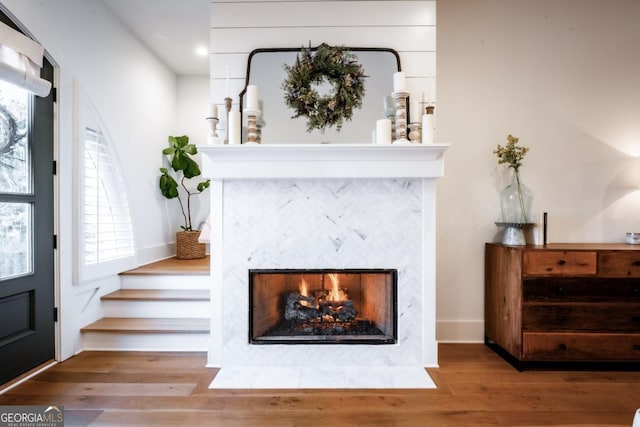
x: 322, y: 13
x: 238, y: 27
x: 421, y: 64
x: 234, y: 40
x: 236, y: 63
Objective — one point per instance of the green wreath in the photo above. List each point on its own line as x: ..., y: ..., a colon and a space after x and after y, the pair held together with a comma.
x: 340, y: 68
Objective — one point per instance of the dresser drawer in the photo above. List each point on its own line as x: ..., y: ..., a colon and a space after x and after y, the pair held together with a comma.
x: 580, y: 347
x: 596, y: 317
x: 560, y: 263
x: 619, y: 264
x: 580, y: 289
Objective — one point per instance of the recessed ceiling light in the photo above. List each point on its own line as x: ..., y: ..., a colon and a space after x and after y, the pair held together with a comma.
x: 202, y: 50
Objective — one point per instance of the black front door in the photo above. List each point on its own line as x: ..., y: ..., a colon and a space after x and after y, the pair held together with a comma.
x: 27, y: 324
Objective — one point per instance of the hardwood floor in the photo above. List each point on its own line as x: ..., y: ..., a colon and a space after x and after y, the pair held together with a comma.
x: 475, y: 388
x: 173, y: 265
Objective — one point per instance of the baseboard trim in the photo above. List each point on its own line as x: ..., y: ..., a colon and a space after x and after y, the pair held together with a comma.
x: 154, y: 253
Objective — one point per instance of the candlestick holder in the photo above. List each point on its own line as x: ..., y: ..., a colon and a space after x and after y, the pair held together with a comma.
x: 227, y: 107
x: 401, y: 118
x: 213, y: 133
x: 414, y: 133
x: 252, y: 126
x: 259, y: 125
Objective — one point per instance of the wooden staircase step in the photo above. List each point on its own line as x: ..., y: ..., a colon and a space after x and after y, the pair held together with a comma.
x: 149, y: 325
x: 158, y: 295
x: 173, y: 266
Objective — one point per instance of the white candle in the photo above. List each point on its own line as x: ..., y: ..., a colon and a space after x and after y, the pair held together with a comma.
x: 428, y: 128
x: 399, y: 82
x: 213, y: 111
x: 415, y: 113
x: 252, y: 98
x: 383, y: 131
x: 234, y: 127
x: 227, y: 92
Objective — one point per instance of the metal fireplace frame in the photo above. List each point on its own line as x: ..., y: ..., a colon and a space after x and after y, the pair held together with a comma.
x: 387, y: 339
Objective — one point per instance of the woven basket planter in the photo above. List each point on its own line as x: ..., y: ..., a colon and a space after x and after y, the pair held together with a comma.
x: 187, y: 245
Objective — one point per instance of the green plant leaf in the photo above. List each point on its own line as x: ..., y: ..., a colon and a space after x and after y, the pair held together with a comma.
x: 180, y: 161
x: 168, y: 185
x: 181, y: 141
x: 191, y: 168
x: 203, y: 185
x: 190, y: 149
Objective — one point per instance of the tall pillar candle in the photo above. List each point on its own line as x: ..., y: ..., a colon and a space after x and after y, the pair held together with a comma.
x: 428, y: 126
x: 383, y: 131
x: 252, y: 98
x: 399, y: 82
x: 227, y: 86
x: 213, y: 111
x: 234, y: 127
x: 415, y: 112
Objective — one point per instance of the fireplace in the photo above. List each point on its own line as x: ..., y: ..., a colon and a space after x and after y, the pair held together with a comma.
x: 309, y: 207
x: 323, y: 306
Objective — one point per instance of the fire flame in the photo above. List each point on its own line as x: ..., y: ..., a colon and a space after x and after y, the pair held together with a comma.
x: 303, y: 288
x: 304, y: 292
x: 335, y: 293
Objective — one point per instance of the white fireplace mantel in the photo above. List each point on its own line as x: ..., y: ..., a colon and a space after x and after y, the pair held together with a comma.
x: 251, y: 161
x: 362, y: 205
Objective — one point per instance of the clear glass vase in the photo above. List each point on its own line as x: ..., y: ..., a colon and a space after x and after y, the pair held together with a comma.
x: 515, y: 201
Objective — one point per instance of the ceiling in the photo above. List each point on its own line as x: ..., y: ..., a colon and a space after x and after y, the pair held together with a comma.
x: 170, y: 28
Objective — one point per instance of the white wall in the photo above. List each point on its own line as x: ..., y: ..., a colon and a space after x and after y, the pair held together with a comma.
x: 193, y: 107
x: 135, y: 96
x: 563, y: 77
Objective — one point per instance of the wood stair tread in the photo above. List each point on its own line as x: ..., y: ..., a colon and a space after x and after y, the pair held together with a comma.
x: 149, y: 325
x: 158, y: 295
x: 173, y: 266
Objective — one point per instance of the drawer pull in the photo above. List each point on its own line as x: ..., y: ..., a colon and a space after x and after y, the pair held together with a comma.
x: 562, y: 318
x: 562, y: 262
x: 562, y: 346
x: 560, y: 290
x: 636, y: 263
x: 636, y: 346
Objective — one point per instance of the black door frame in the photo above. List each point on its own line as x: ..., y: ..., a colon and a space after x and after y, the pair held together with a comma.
x: 44, y: 279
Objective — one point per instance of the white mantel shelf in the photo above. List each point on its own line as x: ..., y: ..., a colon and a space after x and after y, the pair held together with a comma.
x: 281, y: 161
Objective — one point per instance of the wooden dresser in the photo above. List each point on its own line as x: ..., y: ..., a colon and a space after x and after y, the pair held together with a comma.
x: 577, y: 303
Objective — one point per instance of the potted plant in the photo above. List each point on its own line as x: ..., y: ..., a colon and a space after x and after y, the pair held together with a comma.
x: 185, y: 168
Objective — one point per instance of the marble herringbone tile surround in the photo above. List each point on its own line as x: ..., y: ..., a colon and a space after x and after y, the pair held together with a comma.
x: 362, y: 223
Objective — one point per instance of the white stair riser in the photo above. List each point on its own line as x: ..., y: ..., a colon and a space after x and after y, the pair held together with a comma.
x: 128, y: 341
x: 165, y: 282
x: 164, y: 309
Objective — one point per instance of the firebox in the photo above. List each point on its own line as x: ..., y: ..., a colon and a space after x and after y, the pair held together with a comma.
x: 329, y: 306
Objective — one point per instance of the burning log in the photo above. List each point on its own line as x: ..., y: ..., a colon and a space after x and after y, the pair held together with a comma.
x: 342, y: 311
x: 297, y: 310
x: 301, y: 308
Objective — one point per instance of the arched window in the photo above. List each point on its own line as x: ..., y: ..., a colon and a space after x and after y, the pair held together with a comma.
x: 105, y: 230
